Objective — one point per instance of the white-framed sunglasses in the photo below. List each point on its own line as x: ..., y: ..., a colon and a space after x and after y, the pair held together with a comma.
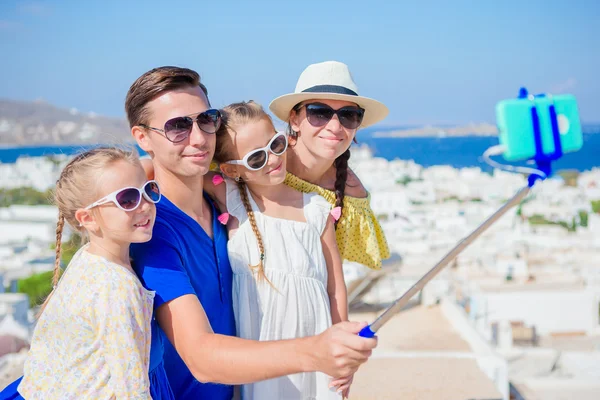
x: 130, y: 198
x: 257, y: 159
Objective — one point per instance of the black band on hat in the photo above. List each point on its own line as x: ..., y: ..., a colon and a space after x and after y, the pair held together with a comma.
x: 330, y: 89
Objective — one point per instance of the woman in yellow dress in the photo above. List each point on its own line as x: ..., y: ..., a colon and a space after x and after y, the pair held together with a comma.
x: 323, y: 115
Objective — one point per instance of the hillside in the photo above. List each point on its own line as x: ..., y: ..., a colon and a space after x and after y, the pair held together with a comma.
x: 40, y: 123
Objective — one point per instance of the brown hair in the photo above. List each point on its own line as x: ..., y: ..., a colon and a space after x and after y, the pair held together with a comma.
x: 72, y: 193
x: 234, y: 116
x: 340, y: 164
x: 153, y: 84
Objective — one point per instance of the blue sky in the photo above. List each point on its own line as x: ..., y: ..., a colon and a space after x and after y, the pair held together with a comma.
x: 429, y: 61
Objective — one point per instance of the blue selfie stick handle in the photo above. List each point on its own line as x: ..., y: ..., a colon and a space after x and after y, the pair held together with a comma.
x: 366, y: 332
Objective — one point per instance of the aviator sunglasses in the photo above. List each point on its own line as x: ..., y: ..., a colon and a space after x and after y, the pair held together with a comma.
x: 257, y: 159
x: 130, y: 198
x: 179, y: 128
x: 319, y: 114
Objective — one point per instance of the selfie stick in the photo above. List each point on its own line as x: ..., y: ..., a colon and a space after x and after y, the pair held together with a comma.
x: 543, y: 162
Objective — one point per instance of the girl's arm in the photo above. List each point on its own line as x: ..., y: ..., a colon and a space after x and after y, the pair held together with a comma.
x: 336, y: 286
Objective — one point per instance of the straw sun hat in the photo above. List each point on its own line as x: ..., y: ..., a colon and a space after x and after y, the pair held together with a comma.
x: 330, y: 80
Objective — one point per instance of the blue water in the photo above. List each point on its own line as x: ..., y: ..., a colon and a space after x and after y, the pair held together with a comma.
x: 466, y: 151
x: 11, y: 154
x: 458, y: 152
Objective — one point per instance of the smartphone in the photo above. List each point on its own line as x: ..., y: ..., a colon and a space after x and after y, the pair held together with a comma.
x: 515, y: 125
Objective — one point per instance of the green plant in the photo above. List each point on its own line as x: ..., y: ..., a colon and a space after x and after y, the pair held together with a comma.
x: 37, y: 287
x: 583, y: 218
x: 537, y: 219
x: 24, y: 196
x: 452, y: 198
x: 405, y: 180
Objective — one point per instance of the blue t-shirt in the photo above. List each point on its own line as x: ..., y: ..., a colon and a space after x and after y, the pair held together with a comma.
x: 182, y: 259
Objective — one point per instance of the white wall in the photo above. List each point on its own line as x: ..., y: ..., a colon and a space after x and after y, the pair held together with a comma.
x: 550, y: 311
x: 491, y: 363
x: 11, y: 232
x: 39, y: 213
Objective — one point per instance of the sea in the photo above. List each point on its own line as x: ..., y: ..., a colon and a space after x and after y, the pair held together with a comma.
x: 458, y: 152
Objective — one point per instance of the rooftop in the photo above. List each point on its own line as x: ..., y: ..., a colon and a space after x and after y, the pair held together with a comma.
x: 422, y: 378
x: 549, y: 374
x: 421, y: 355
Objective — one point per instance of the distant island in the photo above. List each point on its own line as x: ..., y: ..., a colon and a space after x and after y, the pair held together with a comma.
x: 38, y: 123
x: 472, y: 129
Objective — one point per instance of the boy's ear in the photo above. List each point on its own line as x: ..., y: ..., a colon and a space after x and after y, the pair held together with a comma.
x: 141, y: 137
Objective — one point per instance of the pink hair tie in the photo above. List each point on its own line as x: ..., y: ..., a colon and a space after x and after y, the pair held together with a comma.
x: 336, y: 213
x: 223, y: 218
x: 217, y: 180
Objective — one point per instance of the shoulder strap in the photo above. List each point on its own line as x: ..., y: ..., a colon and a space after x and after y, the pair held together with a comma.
x: 235, y: 205
x: 316, y: 211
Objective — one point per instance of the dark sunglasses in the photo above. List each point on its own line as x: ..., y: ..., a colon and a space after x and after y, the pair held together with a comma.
x: 257, y: 159
x: 130, y: 198
x: 319, y: 114
x: 178, y: 129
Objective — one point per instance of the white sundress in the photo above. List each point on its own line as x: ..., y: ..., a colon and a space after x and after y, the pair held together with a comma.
x: 298, y: 306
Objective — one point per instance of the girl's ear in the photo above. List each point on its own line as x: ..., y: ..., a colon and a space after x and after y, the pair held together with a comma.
x: 87, y: 220
x: 231, y: 171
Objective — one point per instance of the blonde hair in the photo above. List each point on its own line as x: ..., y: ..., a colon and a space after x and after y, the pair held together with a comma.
x: 234, y: 116
x: 72, y: 193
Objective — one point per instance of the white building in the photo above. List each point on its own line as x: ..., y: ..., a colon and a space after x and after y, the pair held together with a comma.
x: 558, y: 304
x: 16, y: 305
x: 39, y: 173
x: 20, y: 224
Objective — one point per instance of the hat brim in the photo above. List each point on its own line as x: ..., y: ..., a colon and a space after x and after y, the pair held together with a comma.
x: 375, y: 111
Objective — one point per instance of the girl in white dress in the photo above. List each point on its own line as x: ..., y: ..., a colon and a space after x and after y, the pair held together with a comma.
x: 288, y: 279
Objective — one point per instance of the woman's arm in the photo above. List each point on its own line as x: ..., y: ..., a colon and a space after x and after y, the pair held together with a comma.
x: 336, y: 285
